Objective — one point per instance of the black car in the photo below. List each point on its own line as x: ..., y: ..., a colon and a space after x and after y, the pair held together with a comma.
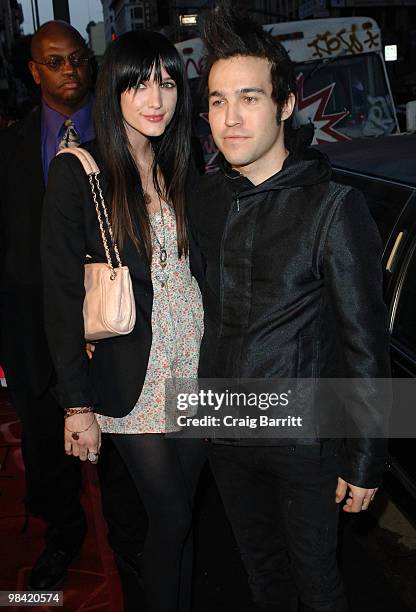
x: 384, y: 169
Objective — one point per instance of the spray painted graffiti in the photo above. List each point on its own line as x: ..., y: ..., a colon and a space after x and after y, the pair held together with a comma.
x: 380, y: 117
x: 209, y: 148
x: 312, y: 109
x: 193, y: 68
x: 359, y: 40
x: 373, y: 38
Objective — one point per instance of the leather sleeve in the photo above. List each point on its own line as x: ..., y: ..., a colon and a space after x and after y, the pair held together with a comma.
x: 63, y: 252
x: 353, y: 280
x: 193, y: 183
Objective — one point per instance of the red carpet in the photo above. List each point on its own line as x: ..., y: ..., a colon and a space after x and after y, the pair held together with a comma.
x: 92, y: 582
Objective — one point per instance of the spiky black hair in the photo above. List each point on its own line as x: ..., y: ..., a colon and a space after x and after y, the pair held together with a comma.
x: 228, y: 34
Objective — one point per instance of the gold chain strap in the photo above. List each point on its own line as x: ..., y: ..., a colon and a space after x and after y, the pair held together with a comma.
x: 92, y: 170
x: 110, y: 229
x: 100, y: 221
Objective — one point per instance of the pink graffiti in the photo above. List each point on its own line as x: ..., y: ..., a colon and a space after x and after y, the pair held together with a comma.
x: 196, y: 65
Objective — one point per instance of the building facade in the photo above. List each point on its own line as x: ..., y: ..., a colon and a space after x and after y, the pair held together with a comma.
x: 181, y: 18
x: 125, y: 15
x: 96, y: 39
x: 11, y: 18
x: 272, y: 11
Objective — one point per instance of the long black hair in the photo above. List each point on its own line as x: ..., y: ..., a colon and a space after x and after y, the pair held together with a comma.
x: 129, y: 61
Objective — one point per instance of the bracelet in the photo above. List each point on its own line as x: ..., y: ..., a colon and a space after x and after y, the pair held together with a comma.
x: 71, y: 411
x: 75, y: 434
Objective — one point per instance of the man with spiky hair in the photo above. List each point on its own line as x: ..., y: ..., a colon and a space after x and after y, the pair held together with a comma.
x: 293, y: 290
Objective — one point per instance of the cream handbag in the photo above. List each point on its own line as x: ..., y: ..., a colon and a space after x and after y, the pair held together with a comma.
x: 109, y: 306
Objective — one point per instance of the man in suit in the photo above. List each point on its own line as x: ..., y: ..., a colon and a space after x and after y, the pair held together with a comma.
x: 60, y: 65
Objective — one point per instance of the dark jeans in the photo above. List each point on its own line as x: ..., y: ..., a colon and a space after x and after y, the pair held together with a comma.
x: 166, y: 472
x: 281, y: 505
x: 53, y: 479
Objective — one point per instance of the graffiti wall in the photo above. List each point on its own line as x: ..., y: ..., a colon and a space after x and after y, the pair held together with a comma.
x: 361, y: 38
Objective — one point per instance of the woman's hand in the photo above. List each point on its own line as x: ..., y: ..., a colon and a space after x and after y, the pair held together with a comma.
x: 86, y: 429
x: 89, y: 349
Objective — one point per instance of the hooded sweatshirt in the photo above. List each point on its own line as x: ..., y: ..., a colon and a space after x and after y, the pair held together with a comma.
x: 293, y: 283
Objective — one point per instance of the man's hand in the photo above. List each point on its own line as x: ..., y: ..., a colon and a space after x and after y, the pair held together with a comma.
x: 358, y: 497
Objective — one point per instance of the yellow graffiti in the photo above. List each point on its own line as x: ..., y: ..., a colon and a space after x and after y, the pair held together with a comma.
x: 329, y: 43
x: 373, y: 38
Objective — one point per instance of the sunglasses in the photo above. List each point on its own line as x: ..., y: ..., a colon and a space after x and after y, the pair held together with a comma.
x: 57, y: 62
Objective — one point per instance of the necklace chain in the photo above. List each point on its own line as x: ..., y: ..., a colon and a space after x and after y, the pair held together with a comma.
x: 163, y: 255
x: 162, y: 275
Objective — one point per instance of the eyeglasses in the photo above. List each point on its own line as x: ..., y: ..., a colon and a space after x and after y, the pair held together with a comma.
x: 57, y: 62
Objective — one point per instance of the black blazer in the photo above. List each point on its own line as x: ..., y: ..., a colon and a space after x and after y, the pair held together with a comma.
x: 113, y: 380
x: 24, y: 351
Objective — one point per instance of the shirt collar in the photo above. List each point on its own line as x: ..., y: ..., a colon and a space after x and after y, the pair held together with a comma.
x: 82, y: 118
x: 53, y: 121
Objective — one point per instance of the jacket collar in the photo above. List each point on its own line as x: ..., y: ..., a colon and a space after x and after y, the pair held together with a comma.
x: 303, y: 166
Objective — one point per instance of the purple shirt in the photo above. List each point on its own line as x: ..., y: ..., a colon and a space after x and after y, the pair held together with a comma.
x: 52, y: 129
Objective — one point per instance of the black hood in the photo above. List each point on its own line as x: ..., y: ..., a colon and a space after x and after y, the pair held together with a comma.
x: 303, y: 166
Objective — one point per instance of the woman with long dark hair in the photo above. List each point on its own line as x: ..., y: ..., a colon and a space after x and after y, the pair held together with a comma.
x: 142, y: 148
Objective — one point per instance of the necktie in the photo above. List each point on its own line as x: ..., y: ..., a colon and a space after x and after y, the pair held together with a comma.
x: 71, y: 137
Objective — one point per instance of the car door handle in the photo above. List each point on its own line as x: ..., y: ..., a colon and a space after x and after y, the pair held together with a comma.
x: 393, y: 253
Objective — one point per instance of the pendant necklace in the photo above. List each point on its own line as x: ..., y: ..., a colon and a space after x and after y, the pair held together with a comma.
x: 146, y: 196
x: 162, y: 275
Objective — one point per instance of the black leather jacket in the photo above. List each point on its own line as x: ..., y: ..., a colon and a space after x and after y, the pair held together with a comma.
x: 293, y: 286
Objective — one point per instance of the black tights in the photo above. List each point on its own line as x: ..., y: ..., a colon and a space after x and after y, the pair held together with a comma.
x: 165, y: 471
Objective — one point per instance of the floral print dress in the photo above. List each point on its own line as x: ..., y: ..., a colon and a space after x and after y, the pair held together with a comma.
x: 177, y: 326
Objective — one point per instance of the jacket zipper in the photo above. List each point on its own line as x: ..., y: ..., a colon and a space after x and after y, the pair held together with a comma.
x: 236, y: 199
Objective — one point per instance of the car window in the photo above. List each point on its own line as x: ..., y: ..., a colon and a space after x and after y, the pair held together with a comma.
x: 404, y: 327
x: 385, y: 200
x: 355, y: 91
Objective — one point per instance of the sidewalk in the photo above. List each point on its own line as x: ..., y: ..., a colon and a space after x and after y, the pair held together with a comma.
x: 92, y: 582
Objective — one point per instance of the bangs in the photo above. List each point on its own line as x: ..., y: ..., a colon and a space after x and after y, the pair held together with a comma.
x: 137, y: 74
x: 140, y: 55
